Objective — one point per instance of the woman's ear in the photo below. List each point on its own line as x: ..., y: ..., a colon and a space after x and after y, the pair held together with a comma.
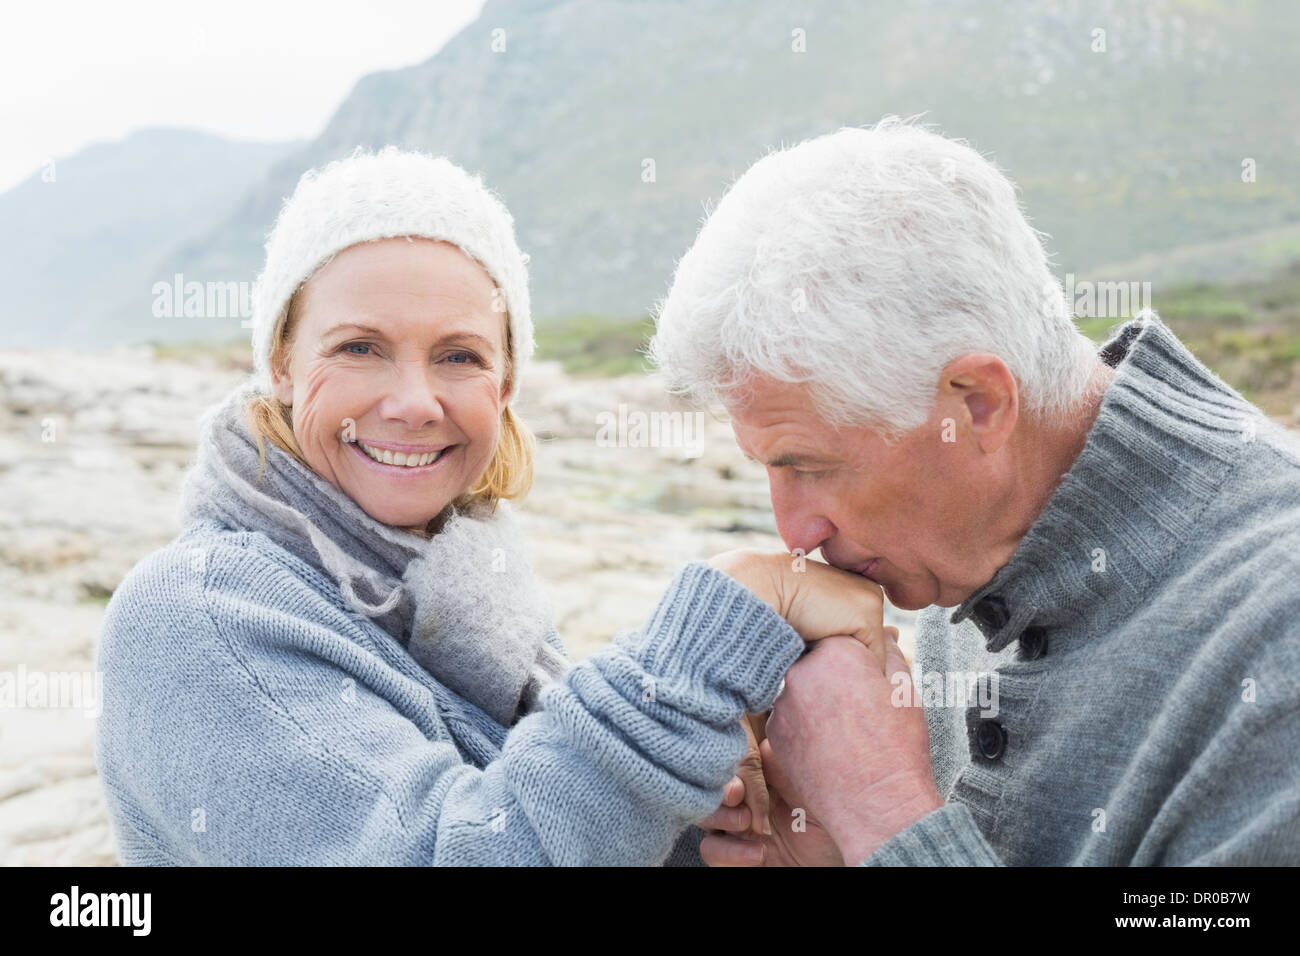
x: 281, y: 382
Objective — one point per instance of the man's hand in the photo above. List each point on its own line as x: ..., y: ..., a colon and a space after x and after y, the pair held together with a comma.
x: 861, y: 764
x: 739, y: 838
x: 796, y: 839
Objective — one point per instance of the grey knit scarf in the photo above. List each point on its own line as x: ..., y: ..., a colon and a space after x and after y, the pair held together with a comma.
x: 463, y: 602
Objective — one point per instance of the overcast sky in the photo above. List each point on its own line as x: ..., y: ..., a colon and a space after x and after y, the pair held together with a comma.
x: 74, y: 73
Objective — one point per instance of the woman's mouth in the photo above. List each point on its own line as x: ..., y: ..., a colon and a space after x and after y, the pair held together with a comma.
x: 394, y: 462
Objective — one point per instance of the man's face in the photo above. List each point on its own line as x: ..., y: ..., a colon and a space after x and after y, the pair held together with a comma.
x: 918, y: 509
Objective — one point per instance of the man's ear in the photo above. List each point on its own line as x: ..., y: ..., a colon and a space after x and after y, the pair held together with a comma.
x: 987, y: 396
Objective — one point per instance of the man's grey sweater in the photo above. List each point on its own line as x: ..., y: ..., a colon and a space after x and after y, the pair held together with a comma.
x: 1145, y: 638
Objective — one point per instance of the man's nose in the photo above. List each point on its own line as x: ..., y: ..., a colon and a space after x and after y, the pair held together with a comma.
x: 798, y: 521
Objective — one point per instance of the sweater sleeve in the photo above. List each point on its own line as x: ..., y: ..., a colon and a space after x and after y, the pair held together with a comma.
x: 239, y: 731
x: 946, y: 836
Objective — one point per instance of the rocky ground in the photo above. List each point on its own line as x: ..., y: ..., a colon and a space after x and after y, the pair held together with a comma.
x: 93, y: 448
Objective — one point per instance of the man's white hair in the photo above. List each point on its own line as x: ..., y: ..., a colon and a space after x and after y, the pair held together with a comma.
x: 861, y: 262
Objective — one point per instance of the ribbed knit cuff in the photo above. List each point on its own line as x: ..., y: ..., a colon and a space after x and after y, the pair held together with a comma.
x: 947, y: 836
x: 686, y: 851
x: 708, y: 627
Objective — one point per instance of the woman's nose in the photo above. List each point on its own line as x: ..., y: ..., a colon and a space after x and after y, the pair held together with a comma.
x: 417, y: 395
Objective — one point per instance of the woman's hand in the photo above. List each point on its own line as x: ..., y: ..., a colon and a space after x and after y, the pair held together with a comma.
x: 745, y: 804
x: 817, y: 599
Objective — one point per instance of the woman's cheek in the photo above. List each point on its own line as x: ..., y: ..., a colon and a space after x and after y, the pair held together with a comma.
x: 479, y: 399
x: 321, y: 408
x: 343, y: 386
x: 478, y: 416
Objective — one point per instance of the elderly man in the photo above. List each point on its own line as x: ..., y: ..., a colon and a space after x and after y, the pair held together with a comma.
x: 1105, y: 544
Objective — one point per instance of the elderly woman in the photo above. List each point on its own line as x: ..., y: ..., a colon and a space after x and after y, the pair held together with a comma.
x: 344, y: 659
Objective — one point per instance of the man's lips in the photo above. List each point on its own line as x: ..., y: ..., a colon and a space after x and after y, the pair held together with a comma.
x: 869, y: 569
x: 865, y: 568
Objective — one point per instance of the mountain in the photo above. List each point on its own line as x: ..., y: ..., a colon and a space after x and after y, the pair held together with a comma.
x: 1126, y: 124
x: 84, y: 241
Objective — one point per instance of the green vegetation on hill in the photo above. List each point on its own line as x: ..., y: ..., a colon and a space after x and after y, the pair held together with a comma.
x: 1248, y: 333
x: 228, y: 356
x: 593, y: 345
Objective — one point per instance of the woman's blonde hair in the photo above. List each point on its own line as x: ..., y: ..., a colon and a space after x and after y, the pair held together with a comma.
x: 509, y: 474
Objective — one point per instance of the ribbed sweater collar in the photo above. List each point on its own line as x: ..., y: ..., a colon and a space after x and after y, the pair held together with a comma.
x: 1166, y: 435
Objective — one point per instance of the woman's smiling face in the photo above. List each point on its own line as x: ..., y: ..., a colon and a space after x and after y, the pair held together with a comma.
x: 397, y: 353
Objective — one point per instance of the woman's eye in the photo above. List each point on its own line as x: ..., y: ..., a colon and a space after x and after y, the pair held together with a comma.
x: 356, y: 345
x: 466, y: 358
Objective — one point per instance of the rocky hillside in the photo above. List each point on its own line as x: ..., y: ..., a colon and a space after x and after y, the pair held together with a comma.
x: 609, y: 127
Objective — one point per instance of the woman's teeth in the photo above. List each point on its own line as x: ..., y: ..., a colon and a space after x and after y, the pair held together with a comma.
x: 386, y: 457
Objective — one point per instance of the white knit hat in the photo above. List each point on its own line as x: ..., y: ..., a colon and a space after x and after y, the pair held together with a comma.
x: 381, y: 195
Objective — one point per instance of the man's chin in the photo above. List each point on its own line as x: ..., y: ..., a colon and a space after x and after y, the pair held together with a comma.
x: 900, y: 598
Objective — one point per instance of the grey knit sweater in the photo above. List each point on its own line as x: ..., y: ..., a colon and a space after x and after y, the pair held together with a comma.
x: 1143, y: 641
